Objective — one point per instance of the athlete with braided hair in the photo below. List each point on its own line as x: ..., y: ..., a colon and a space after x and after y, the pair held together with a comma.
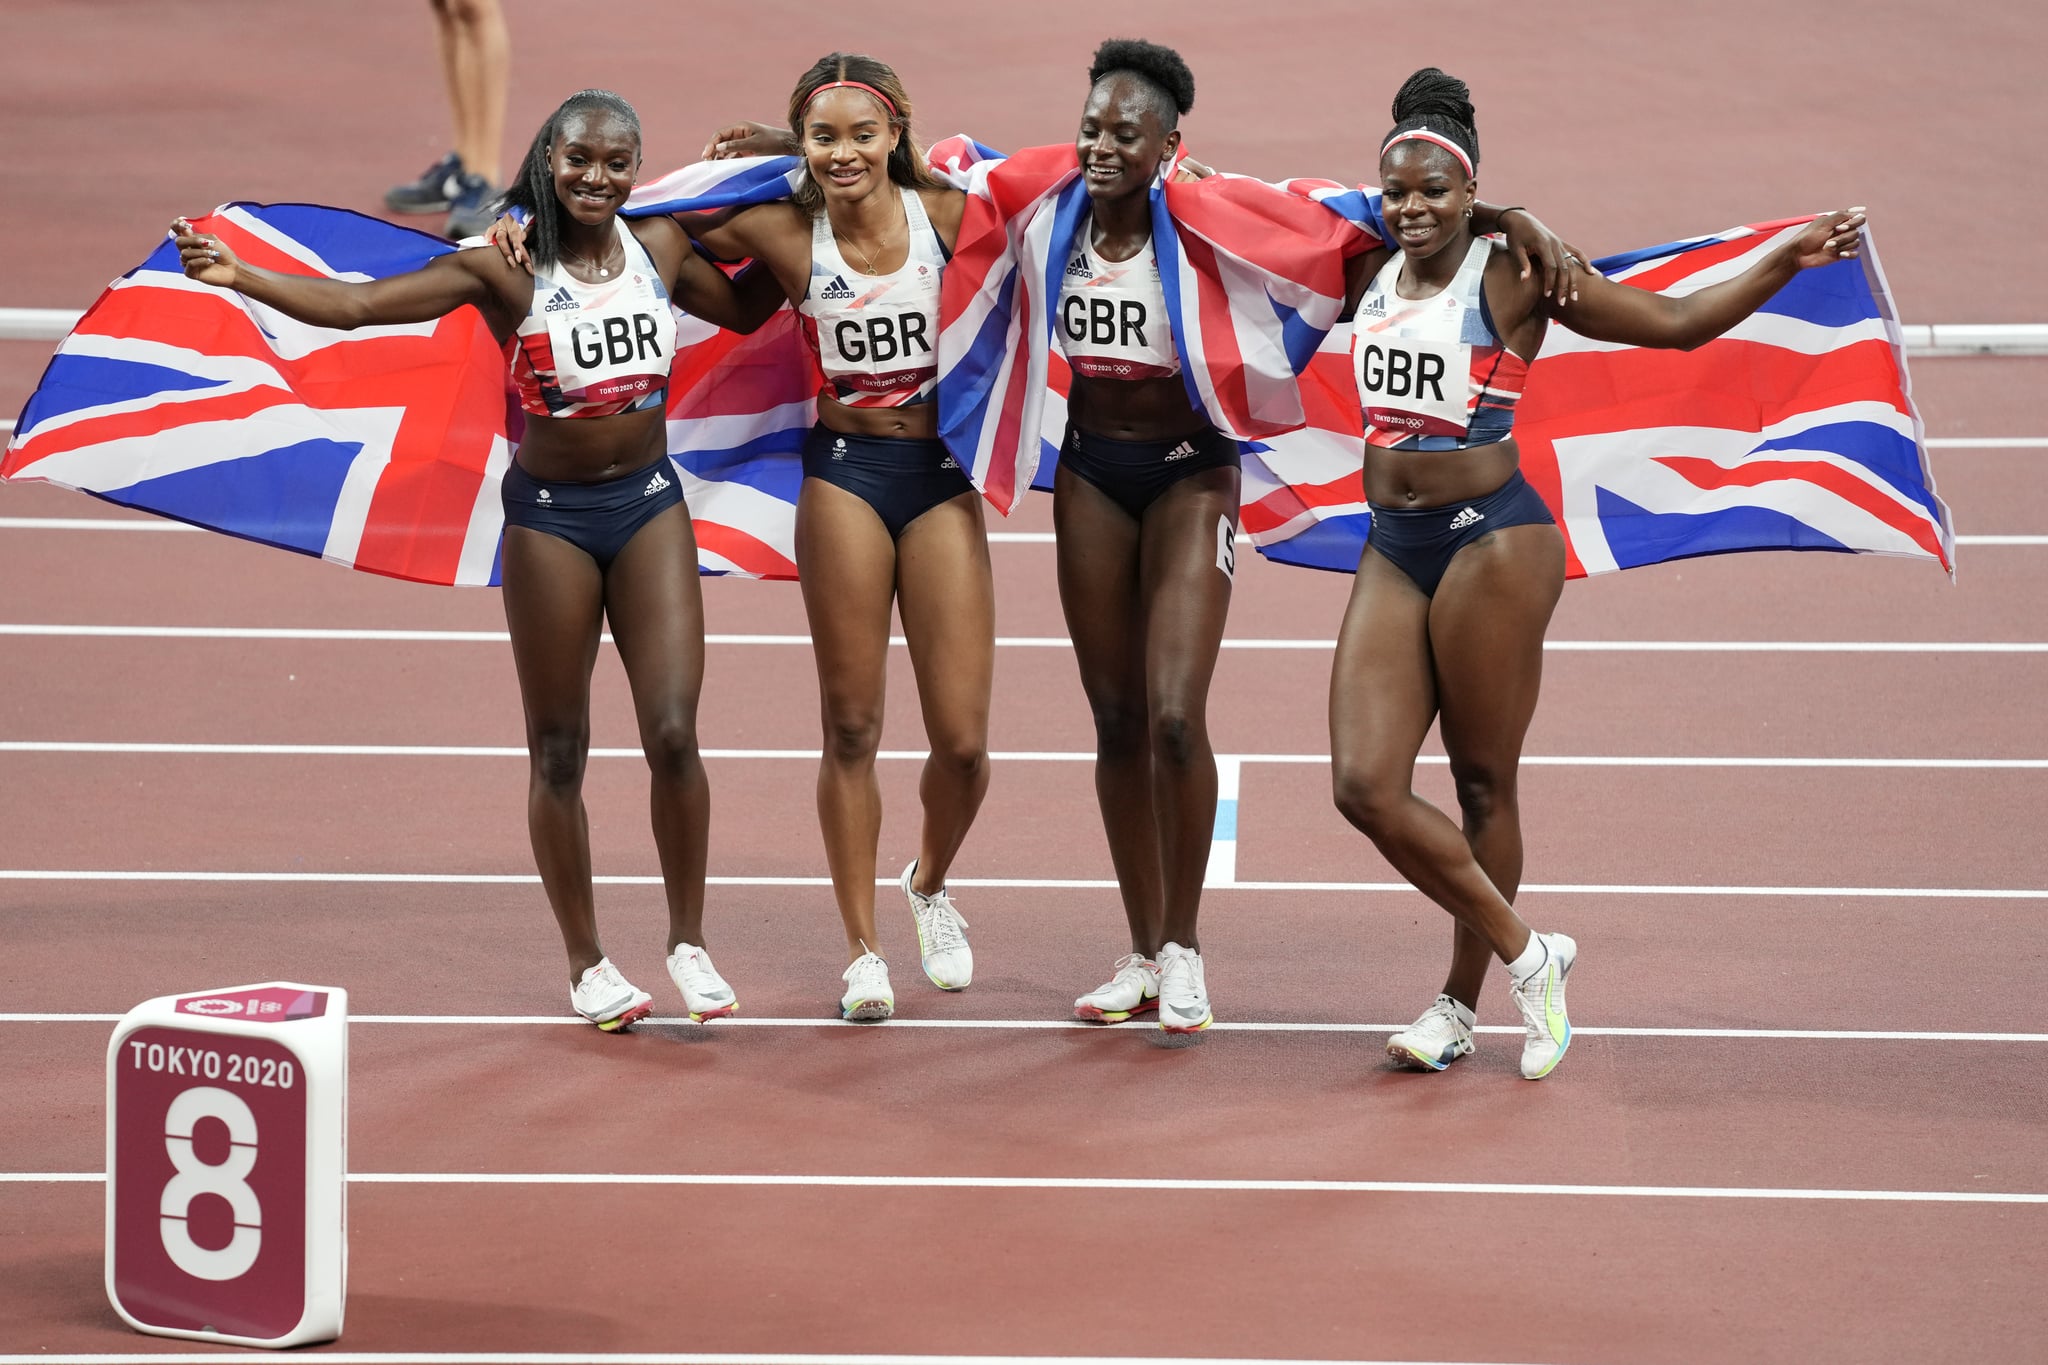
x: 596, y: 528
x: 1464, y: 564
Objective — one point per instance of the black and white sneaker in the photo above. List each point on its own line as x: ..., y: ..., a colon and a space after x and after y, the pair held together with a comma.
x: 474, y: 207
x: 433, y: 192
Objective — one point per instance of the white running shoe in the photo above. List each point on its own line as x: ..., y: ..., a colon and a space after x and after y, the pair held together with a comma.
x: 607, y: 999
x: 1435, y: 1040
x: 1540, y: 995
x: 941, y: 935
x: 867, y: 989
x: 1133, y: 989
x: 1183, y: 995
x: 705, y: 994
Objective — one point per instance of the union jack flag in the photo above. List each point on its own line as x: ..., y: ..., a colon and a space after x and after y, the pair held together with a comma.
x: 1793, y: 431
x: 382, y: 448
x: 1252, y: 281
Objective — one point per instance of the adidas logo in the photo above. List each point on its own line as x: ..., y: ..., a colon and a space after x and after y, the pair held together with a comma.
x: 1468, y: 517
x: 544, y: 496
x: 654, y: 485
x: 836, y: 290
x: 1181, y: 451
x: 1077, y: 269
x: 1374, y: 307
x: 839, y: 448
x: 562, y: 301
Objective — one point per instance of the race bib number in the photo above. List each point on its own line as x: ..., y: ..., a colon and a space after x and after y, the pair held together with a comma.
x: 1410, y: 385
x: 604, y: 355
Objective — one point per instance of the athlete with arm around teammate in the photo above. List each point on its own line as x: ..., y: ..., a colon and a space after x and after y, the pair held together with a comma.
x: 596, y: 527
x: 1464, y: 563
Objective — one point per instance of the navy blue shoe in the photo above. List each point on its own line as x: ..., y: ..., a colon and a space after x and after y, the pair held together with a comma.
x: 474, y: 208
x: 433, y: 192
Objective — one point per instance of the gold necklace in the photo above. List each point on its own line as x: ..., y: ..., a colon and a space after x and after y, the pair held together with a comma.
x: 867, y: 261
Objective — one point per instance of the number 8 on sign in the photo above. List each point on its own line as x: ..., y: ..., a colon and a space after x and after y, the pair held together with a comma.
x: 195, y: 1177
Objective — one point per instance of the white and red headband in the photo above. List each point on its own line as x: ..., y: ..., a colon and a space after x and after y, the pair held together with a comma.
x: 1434, y: 139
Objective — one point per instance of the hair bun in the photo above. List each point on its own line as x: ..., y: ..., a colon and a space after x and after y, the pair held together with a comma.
x: 1431, y: 91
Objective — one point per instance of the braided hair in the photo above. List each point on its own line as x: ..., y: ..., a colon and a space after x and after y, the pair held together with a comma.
x: 906, y: 164
x: 1433, y: 102
x: 534, y: 189
x: 1163, y: 71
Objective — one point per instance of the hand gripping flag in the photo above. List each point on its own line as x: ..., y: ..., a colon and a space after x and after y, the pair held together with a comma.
x: 1794, y: 431
x: 381, y: 448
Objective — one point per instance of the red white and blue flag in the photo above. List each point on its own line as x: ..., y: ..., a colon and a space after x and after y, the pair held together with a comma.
x: 1252, y: 278
x: 382, y: 448
x: 1794, y: 431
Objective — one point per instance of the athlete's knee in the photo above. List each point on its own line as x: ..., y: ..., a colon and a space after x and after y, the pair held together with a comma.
x: 558, y: 755
x: 1180, y: 736
x: 1120, y: 726
x: 852, y: 736
x: 1368, y: 799
x: 1484, y: 792
x: 670, y: 744
x: 960, y: 756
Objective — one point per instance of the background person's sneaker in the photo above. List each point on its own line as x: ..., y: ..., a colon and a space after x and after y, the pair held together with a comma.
x: 1132, y: 989
x: 705, y: 994
x: 433, y: 192
x: 607, y: 999
x: 1183, y: 991
x: 473, y: 208
x: 1433, y: 1041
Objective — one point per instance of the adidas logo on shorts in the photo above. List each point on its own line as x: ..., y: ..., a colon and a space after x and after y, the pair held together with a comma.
x: 1077, y: 269
x: 836, y: 289
x: 561, y: 302
x: 1181, y: 451
x: 1468, y: 517
x: 654, y: 485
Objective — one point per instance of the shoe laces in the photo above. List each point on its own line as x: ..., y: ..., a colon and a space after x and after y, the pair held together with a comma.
x: 866, y: 970
x: 1183, y: 969
x: 604, y: 974
x: 943, y: 921
x: 1441, y: 1008
x: 1129, y: 962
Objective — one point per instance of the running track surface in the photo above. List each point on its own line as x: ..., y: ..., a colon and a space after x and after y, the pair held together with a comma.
x: 1678, y: 1191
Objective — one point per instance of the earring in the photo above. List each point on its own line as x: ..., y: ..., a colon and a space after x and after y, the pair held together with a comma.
x: 1468, y: 210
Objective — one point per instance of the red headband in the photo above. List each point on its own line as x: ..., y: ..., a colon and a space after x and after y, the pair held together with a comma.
x: 887, y: 103
x: 1437, y: 139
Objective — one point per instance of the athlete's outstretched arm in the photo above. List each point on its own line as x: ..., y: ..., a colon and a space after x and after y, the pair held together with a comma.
x: 1606, y: 311
x: 434, y: 290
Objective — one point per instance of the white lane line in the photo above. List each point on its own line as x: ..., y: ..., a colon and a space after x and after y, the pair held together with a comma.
x: 994, y: 537
x: 1987, y: 442
x: 1148, y: 1184
x: 1003, y: 883
x: 1076, y: 1026
x: 1032, y: 641
x: 1227, y: 765
x: 675, y: 1358
x: 1222, y: 869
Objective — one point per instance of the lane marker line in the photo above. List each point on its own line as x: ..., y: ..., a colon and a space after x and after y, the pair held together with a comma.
x: 1075, y: 1025
x: 1150, y: 1184
x: 61, y: 631
x: 1222, y: 869
x: 1002, y: 883
x: 1228, y: 766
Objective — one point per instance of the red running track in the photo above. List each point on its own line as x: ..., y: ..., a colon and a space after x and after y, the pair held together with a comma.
x: 1676, y: 1192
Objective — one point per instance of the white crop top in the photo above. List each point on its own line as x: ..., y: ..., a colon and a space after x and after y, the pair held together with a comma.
x: 877, y: 336
x: 1112, y: 315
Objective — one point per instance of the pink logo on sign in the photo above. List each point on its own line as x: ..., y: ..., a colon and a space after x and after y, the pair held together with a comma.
x: 270, y: 1005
